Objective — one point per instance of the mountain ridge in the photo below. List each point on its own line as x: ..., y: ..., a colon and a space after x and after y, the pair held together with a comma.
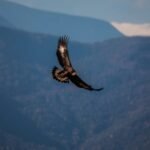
x: 81, y: 29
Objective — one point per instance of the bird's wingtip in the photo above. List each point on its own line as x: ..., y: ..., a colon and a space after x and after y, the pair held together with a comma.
x: 64, y: 38
x: 100, y: 89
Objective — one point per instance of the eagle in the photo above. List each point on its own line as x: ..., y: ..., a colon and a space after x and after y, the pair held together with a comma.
x: 68, y: 73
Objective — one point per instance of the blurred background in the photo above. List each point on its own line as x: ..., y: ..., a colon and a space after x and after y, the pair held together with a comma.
x: 109, y: 47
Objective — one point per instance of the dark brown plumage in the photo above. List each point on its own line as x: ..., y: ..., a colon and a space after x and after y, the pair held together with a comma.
x: 67, y: 73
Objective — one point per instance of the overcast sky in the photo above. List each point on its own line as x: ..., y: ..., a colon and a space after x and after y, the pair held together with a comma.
x: 117, y: 11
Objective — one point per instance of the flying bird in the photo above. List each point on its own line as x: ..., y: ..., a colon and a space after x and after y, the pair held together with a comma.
x: 67, y: 73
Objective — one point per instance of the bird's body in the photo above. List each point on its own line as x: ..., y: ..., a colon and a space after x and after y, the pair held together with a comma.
x: 67, y: 73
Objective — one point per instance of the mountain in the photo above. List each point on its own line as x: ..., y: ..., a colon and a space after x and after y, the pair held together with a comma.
x: 5, y: 23
x: 16, y: 124
x: 80, y: 29
x: 72, y: 118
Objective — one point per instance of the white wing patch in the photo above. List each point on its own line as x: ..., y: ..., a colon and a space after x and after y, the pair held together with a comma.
x: 62, y: 49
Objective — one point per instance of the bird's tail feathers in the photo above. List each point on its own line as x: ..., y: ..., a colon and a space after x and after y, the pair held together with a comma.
x: 58, y: 74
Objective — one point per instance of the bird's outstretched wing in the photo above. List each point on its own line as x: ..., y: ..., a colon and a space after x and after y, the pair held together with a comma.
x: 80, y: 83
x: 62, y: 52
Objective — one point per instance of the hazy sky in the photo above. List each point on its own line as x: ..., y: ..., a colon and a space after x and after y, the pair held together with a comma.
x: 133, y: 11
